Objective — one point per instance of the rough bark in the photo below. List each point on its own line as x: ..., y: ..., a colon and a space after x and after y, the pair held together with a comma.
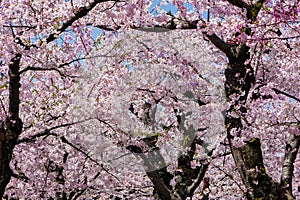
x: 11, y: 127
x: 187, y: 179
x: 291, y: 150
x: 259, y: 184
x: 248, y: 158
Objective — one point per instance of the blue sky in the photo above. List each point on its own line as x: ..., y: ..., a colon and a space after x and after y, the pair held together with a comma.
x: 168, y: 8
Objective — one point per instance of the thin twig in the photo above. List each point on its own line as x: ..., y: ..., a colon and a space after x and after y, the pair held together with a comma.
x: 64, y: 140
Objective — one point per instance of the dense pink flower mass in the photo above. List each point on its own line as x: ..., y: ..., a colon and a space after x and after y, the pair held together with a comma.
x: 145, y: 99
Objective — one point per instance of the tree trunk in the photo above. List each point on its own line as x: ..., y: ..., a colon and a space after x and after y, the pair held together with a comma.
x: 248, y: 158
x: 11, y: 127
x: 9, y: 131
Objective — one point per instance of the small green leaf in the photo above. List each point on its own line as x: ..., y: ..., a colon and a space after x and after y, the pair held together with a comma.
x: 4, y: 85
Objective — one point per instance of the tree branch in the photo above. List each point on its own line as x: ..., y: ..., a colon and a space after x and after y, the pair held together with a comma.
x: 20, y: 176
x: 191, y: 189
x: 81, y: 12
x: 239, y: 3
x: 47, y: 132
x: 107, y: 27
x: 29, y: 68
x: 219, y: 43
x: 252, y: 10
x: 286, y: 94
x: 160, y: 187
x: 64, y: 140
x: 159, y: 177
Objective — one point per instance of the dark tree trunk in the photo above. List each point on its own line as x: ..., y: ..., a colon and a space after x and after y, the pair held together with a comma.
x: 187, y: 179
x: 11, y: 127
x: 248, y: 158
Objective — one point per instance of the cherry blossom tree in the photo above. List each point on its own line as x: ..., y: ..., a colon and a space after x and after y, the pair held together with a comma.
x: 153, y: 100
x: 161, y: 111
